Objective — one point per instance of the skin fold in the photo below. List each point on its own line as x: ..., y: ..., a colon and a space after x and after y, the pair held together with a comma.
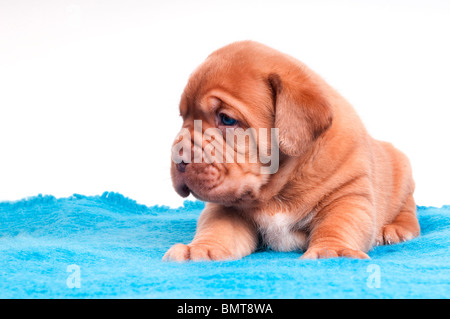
x: 337, y: 191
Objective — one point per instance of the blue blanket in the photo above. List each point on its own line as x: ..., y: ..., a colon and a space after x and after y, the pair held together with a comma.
x: 111, y: 247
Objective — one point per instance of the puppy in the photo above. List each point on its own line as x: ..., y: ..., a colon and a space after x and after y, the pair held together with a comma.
x: 336, y: 190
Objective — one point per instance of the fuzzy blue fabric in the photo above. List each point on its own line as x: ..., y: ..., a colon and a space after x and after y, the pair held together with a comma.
x: 111, y: 247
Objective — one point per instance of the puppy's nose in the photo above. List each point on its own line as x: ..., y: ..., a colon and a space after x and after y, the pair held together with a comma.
x: 181, y: 167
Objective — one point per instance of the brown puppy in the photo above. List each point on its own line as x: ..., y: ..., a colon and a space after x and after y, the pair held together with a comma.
x: 337, y: 191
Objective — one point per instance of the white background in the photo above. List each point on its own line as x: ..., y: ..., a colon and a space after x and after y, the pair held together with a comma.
x: 89, y: 90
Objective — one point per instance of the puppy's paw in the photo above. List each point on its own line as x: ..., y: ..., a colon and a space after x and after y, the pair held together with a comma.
x: 327, y: 252
x: 394, y: 234
x: 197, y: 252
x: 177, y: 252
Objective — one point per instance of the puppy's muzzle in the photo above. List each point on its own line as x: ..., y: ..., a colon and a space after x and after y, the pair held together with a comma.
x: 181, y: 167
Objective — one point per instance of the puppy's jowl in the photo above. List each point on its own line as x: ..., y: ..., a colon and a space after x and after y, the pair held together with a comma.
x: 331, y: 189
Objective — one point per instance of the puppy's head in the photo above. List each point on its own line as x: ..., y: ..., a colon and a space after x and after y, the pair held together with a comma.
x: 230, y: 108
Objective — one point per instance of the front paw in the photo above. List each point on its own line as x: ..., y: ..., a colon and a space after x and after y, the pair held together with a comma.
x: 197, y: 252
x: 327, y: 252
x: 394, y: 234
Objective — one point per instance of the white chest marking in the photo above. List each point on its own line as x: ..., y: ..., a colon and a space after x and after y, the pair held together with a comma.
x: 283, y: 232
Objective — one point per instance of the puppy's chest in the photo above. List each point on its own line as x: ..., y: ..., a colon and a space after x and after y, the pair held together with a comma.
x: 283, y: 231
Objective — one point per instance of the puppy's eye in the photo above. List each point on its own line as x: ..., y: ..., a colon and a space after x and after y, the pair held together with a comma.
x: 226, y: 120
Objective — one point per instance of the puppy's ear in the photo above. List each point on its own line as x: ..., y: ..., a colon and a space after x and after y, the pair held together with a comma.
x: 302, y: 112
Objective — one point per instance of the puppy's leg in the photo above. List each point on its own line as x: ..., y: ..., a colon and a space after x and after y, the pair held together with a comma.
x: 404, y: 227
x: 222, y: 234
x: 344, y: 228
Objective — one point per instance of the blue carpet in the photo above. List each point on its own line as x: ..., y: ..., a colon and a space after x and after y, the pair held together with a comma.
x: 116, y: 246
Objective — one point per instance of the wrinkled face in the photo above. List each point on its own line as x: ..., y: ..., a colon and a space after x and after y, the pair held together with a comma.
x: 244, y: 109
x: 223, y: 152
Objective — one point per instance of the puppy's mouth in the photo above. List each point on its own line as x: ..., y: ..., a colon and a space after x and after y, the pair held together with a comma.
x: 209, y: 183
x: 183, y: 190
x: 199, y: 179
